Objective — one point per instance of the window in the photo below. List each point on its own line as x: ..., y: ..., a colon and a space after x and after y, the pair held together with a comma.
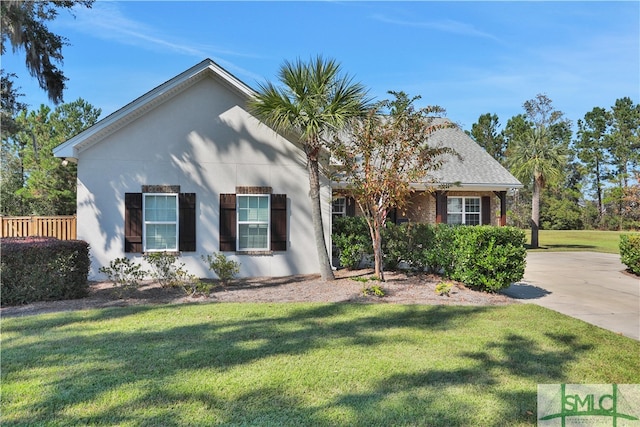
x: 463, y: 210
x: 253, y: 222
x: 339, y: 207
x: 160, y: 222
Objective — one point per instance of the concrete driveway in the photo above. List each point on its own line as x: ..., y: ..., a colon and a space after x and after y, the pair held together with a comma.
x: 589, y: 286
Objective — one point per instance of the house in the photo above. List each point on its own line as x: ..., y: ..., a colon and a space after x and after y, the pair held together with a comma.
x: 469, y: 189
x: 186, y: 168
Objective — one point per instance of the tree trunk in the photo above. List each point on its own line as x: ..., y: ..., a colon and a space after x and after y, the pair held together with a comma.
x: 377, y: 246
x: 326, y: 272
x: 599, y: 193
x: 535, y: 213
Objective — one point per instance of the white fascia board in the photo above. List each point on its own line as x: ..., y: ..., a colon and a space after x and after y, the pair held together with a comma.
x: 475, y: 186
x: 341, y: 185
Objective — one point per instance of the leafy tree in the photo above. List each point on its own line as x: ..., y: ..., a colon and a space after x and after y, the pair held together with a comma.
x: 623, y: 143
x: 23, y: 24
x: 39, y: 183
x: 11, y: 181
x: 314, y: 101
x: 516, y: 127
x: 631, y: 200
x: 539, y: 154
x: 590, y: 149
x: 9, y: 103
x: 384, y: 154
x: 486, y: 134
x: 562, y: 205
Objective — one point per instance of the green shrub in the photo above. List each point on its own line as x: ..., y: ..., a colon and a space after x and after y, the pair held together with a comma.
x: 440, y: 255
x: 225, y: 269
x: 408, y: 242
x: 192, y: 286
x: 165, y: 271
x: 444, y: 288
x: 43, y: 269
x: 375, y: 290
x: 484, y: 257
x: 124, y: 273
x: 352, y: 239
x: 630, y: 252
x: 488, y: 258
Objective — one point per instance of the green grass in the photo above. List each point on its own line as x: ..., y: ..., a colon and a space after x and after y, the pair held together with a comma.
x: 299, y: 364
x: 579, y: 240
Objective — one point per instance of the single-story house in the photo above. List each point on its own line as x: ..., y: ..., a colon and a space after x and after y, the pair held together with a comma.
x: 186, y: 168
x: 468, y: 189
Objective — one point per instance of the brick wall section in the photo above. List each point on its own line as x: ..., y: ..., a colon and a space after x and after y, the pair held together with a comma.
x: 422, y: 207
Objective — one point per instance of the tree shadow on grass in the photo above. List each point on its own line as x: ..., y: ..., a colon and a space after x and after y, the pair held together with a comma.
x: 146, y: 358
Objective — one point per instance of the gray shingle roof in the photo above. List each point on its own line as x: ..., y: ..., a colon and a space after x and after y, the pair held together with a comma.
x: 475, y: 168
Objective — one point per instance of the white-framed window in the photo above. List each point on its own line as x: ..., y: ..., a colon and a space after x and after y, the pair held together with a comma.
x: 253, y: 212
x: 463, y: 210
x: 339, y: 207
x: 160, y: 218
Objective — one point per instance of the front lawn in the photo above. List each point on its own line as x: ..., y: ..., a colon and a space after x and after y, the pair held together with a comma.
x: 299, y: 364
x: 579, y: 240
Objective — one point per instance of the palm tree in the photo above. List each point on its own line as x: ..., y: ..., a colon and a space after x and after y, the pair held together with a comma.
x: 537, y: 157
x: 314, y: 101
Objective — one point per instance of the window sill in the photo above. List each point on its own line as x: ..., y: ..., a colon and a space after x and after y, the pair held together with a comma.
x: 255, y: 252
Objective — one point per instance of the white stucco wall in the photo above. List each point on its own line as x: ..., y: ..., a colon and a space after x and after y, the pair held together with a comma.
x: 204, y: 141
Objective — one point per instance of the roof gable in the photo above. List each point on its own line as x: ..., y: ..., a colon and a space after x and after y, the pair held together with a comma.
x: 207, y: 68
x: 475, y: 168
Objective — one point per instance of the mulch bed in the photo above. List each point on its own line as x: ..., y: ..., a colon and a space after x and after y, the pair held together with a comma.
x: 399, y: 288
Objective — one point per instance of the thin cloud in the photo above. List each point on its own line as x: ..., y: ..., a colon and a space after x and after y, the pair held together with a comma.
x: 105, y: 20
x: 445, y: 25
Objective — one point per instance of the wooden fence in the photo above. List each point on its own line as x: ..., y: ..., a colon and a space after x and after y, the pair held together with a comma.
x: 61, y: 227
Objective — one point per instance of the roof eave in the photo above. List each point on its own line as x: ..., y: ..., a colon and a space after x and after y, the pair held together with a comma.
x: 339, y: 185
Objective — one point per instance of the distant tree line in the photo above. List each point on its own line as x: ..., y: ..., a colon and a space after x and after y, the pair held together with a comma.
x: 32, y: 180
x: 586, y: 180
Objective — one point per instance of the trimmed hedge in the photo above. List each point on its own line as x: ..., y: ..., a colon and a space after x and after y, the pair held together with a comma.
x: 630, y: 252
x: 408, y: 243
x: 43, y: 269
x: 351, y: 237
x: 488, y: 258
x: 483, y: 257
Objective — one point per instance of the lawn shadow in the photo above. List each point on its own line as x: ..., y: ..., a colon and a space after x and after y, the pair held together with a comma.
x: 563, y: 246
x: 524, y: 291
x: 513, y: 355
x: 95, y: 365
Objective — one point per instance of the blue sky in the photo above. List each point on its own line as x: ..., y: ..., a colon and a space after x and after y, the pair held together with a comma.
x: 469, y: 57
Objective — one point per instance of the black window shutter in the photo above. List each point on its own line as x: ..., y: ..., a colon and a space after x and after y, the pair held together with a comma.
x: 486, y: 210
x: 133, y: 222
x: 227, y: 222
x: 187, y: 229
x: 278, y: 222
x: 441, y: 207
x: 350, y: 206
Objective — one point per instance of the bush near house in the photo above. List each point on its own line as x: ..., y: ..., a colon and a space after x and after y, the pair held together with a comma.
x: 630, y: 252
x: 484, y: 257
x: 488, y: 258
x: 352, y: 239
x: 408, y: 243
x: 42, y: 269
